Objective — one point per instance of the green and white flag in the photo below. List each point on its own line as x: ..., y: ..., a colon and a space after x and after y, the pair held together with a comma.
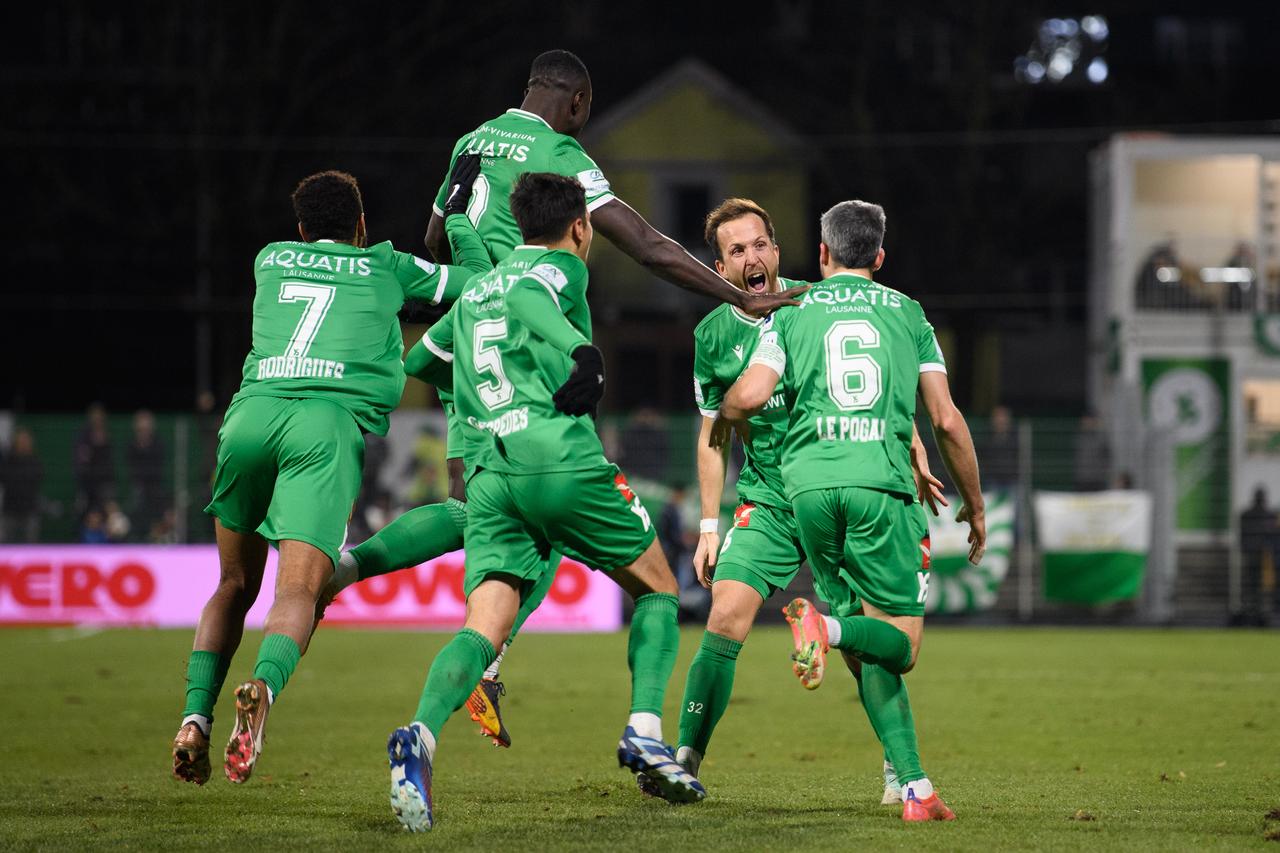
x: 1266, y: 330
x: 1094, y: 544
x: 954, y: 585
x: 1190, y: 397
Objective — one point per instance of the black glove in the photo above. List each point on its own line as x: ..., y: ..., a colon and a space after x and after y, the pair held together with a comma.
x: 581, y: 392
x: 465, y: 171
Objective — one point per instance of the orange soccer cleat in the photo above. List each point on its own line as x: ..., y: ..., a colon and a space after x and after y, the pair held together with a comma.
x: 482, y: 705
x: 930, y: 808
x: 809, y: 660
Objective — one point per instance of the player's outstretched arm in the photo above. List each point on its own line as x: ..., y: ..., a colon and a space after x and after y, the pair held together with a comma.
x: 435, y: 240
x: 712, y: 465
x: 431, y: 359
x: 956, y: 446
x: 629, y: 231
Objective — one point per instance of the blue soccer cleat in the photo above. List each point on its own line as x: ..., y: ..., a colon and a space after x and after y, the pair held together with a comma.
x: 663, y: 774
x: 410, y: 779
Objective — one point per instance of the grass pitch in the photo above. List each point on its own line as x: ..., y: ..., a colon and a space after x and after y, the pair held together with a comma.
x: 1038, y: 738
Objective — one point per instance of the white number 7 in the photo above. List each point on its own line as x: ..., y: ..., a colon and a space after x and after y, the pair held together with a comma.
x: 318, y: 298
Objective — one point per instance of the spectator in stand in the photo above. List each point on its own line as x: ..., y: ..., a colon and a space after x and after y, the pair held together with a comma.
x: 1242, y: 295
x: 646, y: 446
x: 94, y: 465
x: 93, y: 530
x: 1093, y: 455
x: 208, y: 422
x: 21, y: 475
x: 1259, y: 551
x: 147, y: 481
x: 376, y: 451
x: 998, y: 451
x: 671, y: 535
x: 117, y: 524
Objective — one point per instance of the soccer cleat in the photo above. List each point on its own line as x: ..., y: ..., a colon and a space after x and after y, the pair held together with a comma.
x: 653, y: 759
x: 244, y: 747
x: 191, y: 755
x: 892, y: 787
x: 809, y: 660
x: 410, y: 779
x: 930, y: 808
x: 482, y: 705
x: 647, y: 786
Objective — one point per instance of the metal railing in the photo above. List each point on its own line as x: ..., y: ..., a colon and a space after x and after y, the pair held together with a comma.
x: 129, y: 482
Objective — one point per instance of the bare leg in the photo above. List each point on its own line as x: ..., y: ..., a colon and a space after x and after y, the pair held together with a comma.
x: 648, y: 574
x: 304, y: 570
x: 242, y: 558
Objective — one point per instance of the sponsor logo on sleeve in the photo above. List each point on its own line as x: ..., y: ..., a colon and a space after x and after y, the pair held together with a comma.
x: 593, y: 181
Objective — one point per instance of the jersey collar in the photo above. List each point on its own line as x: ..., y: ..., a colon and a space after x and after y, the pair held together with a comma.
x: 850, y: 275
x: 745, y: 317
x: 526, y: 114
x: 529, y: 246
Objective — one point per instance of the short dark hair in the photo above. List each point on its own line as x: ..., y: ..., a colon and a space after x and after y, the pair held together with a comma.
x: 545, y: 205
x: 853, y: 232
x: 729, y: 210
x: 558, y: 69
x: 328, y: 205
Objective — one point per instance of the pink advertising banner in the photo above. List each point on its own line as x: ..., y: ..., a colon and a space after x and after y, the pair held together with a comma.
x: 165, y: 586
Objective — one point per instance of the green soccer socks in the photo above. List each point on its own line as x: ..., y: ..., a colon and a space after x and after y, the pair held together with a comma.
x: 651, y: 650
x: 884, y: 696
x: 205, y: 673
x: 278, y: 657
x: 453, y: 675
x: 707, y: 689
x: 871, y: 641
x: 417, y: 536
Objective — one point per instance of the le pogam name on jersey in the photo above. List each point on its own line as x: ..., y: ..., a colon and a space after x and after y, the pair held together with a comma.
x: 846, y: 428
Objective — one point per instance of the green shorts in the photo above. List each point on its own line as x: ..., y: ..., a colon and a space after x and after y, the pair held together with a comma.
x: 865, y: 543
x: 762, y: 549
x: 288, y: 469
x: 515, y: 521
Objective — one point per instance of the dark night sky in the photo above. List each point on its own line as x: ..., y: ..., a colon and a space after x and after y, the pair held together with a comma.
x: 151, y: 147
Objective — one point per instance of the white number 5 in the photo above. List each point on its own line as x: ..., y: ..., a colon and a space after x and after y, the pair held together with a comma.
x: 500, y: 391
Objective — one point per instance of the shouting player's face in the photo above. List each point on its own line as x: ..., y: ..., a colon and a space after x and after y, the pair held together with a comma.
x: 749, y: 258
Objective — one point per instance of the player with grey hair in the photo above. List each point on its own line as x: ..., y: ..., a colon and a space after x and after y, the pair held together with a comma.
x: 850, y: 361
x: 853, y: 232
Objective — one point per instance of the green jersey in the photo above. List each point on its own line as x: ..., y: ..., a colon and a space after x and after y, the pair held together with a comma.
x: 850, y: 358
x: 514, y: 329
x: 324, y: 320
x: 724, y: 343
x: 511, y: 144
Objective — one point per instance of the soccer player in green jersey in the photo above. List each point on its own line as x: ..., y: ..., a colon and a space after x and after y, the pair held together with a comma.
x: 324, y: 369
x: 526, y: 382
x: 762, y: 551
x: 539, y: 136
x: 851, y: 360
